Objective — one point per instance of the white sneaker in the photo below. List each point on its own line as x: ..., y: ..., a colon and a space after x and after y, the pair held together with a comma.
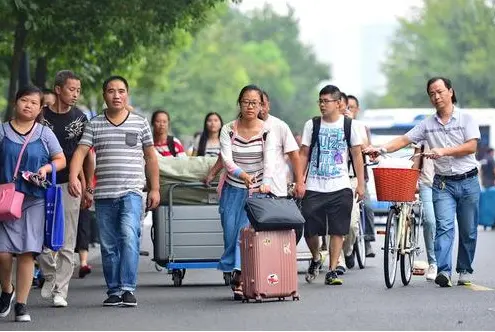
x: 47, y: 289
x: 431, y: 274
x: 464, y: 279
x: 59, y: 301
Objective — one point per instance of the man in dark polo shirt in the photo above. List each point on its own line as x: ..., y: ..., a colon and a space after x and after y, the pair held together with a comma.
x: 67, y: 122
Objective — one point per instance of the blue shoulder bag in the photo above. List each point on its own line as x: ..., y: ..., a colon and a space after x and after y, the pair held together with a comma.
x: 54, y: 215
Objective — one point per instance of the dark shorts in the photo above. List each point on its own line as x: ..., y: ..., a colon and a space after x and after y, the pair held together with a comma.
x: 327, y: 213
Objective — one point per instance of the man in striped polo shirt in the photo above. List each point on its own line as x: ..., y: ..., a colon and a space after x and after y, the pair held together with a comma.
x: 124, y: 150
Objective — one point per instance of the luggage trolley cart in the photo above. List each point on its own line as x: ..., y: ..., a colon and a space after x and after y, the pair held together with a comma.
x: 187, y: 236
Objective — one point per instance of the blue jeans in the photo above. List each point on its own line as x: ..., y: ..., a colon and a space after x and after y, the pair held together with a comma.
x: 459, y: 198
x: 234, y: 218
x: 429, y: 228
x: 119, y: 223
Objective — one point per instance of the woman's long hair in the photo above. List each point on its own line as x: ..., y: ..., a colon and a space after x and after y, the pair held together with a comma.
x: 203, y: 139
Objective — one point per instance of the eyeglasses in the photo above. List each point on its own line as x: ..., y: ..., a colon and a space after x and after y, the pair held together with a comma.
x: 247, y: 103
x: 326, y: 101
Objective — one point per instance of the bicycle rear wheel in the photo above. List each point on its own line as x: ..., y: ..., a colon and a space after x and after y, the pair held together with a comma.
x: 390, y: 251
x: 407, y: 260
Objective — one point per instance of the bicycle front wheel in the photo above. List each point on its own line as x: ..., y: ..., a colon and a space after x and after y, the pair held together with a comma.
x: 360, y: 246
x: 390, y: 252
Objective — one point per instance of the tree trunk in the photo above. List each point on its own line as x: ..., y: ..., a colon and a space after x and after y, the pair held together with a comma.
x: 19, y: 43
x: 41, y: 73
x: 24, y: 72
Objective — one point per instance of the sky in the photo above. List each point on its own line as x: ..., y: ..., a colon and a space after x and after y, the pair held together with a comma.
x: 335, y: 29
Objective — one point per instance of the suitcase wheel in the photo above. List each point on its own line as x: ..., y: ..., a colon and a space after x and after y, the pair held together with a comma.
x: 281, y: 298
x: 295, y: 298
x: 177, y: 276
x: 158, y: 267
x: 259, y: 299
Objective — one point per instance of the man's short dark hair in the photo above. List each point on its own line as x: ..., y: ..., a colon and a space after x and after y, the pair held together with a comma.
x: 266, y: 95
x: 331, y: 90
x: 344, y: 97
x: 62, y: 76
x: 353, y: 98
x: 115, y: 78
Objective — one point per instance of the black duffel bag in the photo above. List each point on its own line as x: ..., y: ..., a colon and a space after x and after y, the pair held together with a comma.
x: 270, y: 213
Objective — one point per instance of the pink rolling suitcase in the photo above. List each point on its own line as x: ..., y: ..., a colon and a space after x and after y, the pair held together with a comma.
x: 269, y: 264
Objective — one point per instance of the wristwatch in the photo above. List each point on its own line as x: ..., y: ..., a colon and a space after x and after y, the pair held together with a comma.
x: 90, y: 190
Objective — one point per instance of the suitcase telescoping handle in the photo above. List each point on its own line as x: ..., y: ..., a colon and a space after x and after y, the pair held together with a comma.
x: 170, y: 208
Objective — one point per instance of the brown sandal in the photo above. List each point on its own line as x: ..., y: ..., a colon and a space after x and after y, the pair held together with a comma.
x: 238, y: 294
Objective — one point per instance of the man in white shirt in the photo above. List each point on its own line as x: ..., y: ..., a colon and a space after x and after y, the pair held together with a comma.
x: 285, y: 145
x: 369, y: 231
x: 328, y: 201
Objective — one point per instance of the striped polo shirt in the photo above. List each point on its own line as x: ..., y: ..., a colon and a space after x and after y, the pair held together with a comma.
x: 460, y: 128
x: 119, y: 154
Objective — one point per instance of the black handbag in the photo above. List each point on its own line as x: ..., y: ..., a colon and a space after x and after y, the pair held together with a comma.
x: 270, y: 213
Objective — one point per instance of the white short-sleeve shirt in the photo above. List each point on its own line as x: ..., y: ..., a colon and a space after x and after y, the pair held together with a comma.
x: 332, y: 173
x: 284, y: 143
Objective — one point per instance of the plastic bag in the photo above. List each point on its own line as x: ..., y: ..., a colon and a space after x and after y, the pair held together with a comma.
x: 395, y: 163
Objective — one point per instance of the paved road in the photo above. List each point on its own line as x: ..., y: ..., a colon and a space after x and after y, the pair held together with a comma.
x: 202, y: 303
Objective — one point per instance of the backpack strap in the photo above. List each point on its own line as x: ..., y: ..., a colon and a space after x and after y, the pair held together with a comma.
x: 171, y: 145
x: 347, y: 137
x: 315, y: 142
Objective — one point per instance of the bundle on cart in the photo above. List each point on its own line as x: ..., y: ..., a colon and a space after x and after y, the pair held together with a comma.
x: 186, y: 170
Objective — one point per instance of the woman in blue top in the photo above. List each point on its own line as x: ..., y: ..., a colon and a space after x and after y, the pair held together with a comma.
x: 24, y: 237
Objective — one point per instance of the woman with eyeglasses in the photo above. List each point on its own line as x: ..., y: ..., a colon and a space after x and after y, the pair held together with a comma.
x: 208, y: 143
x: 248, y: 153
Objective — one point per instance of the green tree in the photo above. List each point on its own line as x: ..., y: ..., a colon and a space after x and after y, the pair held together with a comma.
x: 94, y: 38
x: 449, y: 38
x: 261, y: 47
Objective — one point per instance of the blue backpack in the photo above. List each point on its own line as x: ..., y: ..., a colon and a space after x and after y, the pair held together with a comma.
x: 54, y: 215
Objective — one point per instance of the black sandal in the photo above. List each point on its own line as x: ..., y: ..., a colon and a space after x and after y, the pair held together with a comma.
x: 235, y: 281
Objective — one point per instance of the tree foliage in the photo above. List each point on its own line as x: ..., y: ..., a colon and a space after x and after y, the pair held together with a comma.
x: 452, y: 38
x: 261, y: 47
x: 94, y: 38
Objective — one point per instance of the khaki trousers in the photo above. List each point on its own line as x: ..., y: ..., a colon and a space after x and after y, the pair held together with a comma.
x: 58, y: 266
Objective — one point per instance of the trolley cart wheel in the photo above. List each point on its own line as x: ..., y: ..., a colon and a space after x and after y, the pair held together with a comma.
x: 177, y: 276
x: 227, y: 278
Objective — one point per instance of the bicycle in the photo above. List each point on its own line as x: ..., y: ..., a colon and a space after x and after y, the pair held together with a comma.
x: 401, y: 241
x: 359, y: 250
x: 398, y: 185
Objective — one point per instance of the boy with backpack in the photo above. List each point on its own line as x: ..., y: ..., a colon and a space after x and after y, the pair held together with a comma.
x: 327, y: 204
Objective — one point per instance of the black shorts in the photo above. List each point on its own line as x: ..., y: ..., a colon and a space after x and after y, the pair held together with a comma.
x: 334, y: 207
